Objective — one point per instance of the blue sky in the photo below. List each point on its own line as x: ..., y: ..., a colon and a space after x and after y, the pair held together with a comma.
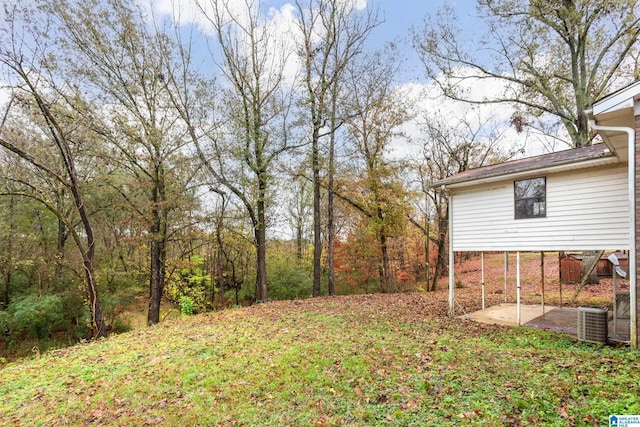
x: 399, y: 16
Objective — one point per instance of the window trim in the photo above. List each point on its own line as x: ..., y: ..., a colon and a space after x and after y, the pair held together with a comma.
x: 543, y: 199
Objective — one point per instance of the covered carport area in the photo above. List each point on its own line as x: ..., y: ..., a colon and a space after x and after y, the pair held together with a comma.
x: 572, y: 201
x: 582, y: 199
x: 488, y: 294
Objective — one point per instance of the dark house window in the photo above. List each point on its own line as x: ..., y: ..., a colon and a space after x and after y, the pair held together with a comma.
x: 530, y: 198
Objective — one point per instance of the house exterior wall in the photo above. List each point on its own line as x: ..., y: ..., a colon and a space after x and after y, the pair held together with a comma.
x: 587, y: 209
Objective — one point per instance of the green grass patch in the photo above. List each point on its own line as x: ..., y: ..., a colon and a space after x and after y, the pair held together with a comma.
x: 367, y: 360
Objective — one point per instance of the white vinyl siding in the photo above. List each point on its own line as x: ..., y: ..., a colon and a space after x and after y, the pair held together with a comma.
x: 587, y: 209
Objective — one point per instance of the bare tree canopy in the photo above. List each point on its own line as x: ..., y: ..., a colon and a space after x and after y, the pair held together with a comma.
x: 42, y: 131
x: 552, y: 59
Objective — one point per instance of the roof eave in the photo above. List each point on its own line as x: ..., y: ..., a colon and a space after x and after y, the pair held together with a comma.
x: 618, y: 100
x: 594, y: 162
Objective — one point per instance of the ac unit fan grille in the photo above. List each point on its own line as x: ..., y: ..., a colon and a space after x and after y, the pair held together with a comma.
x: 592, y: 325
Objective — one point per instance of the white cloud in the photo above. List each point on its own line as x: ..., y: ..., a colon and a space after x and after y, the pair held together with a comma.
x: 5, y: 95
x: 280, y: 23
x: 200, y: 12
x: 428, y: 101
x: 356, y: 4
x: 273, y: 27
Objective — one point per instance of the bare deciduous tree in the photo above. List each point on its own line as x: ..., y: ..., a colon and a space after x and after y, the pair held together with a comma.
x: 333, y: 33
x: 380, y: 110
x: 451, y: 146
x: 51, y: 122
x: 123, y: 64
x: 256, y: 104
x: 552, y: 59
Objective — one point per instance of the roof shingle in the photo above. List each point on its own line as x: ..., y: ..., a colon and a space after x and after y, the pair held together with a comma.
x: 558, y: 158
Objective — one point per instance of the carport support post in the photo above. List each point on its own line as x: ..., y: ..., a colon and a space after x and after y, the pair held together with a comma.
x: 506, y: 272
x: 560, y: 292
x: 518, y: 284
x: 451, y: 261
x: 482, y: 261
x: 615, y: 307
x: 542, y: 278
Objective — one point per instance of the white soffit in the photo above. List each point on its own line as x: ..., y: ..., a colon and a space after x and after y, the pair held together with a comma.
x: 622, y: 99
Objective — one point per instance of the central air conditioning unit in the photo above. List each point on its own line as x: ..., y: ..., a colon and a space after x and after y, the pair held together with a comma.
x: 593, y: 324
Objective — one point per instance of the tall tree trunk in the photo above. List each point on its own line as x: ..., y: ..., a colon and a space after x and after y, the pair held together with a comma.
x: 386, y: 266
x: 220, y: 274
x: 61, y: 237
x: 299, y: 240
x: 7, y: 288
x: 441, y: 263
x: 9, y: 253
x: 331, y: 229
x: 96, y: 310
x: 89, y: 252
x: 88, y: 257
x: 211, y: 270
x: 317, y: 225
x: 219, y: 263
x: 427, y: 253
x: 219, y: 254
x: 261, y: 249
x: 156, y: 284
x: 331, y: 236
x: 158, y: 249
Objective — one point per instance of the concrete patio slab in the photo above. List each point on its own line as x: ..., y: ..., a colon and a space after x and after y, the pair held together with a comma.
x: 507, y: 314
x: 562, y: 320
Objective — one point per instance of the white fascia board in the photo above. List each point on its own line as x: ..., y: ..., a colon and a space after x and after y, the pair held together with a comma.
x: 618, y: 101
x: 532, y: 172
x: 614, y: 104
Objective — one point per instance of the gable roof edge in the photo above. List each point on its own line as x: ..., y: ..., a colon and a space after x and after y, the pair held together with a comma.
x: 623, y: 98
x: 453, y: 183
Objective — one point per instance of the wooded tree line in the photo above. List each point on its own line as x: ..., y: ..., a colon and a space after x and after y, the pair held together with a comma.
x: 240, y: 159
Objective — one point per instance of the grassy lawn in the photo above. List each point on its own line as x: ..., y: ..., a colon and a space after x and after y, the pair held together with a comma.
x: 358, y: 361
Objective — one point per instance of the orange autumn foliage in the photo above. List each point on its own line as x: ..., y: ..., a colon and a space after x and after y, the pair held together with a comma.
x: 358, y: 266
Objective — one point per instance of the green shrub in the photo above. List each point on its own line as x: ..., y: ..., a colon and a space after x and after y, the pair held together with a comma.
x: 82, y: 331
x: 36, y: 315
x: 187, y: 306
x: 288, y: 280
x: 5, y: 322
x: 77, y: 316
x: 191, y: 282
x: 120, y: 326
